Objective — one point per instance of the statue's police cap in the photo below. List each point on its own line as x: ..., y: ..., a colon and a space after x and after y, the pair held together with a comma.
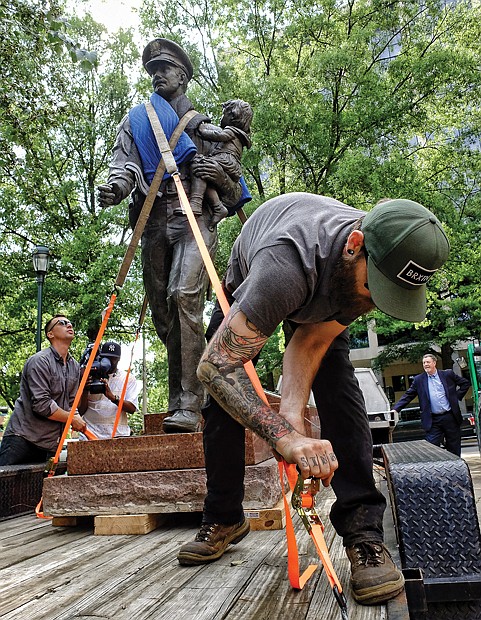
x: 167, y: 51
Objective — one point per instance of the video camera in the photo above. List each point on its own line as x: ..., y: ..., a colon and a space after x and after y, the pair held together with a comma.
x: 101, y: 367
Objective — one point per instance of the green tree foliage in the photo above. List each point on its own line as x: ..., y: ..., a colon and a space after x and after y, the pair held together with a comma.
x: 358, y: 100
x: 58, y: 122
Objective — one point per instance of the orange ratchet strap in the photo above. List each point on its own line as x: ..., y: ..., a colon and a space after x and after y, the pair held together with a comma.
x: 119, y: 282
x: 122, y: 398
x: 124, y: 387
x: 303, y: 501
x: 251, y: 372
x: 214, y: 278
x: 313, y: 523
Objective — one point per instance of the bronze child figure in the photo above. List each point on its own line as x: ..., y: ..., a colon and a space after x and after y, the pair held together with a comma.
x: 229, y: 140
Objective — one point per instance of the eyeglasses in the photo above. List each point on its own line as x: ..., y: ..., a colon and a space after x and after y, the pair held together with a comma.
x: 63, y: 322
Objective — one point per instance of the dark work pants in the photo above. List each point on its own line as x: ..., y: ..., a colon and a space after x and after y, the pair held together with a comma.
x: 359, y: 507
x: 15, y: 450
x: 445, y: 427
x: 358, y: 511
x: 175, y: 281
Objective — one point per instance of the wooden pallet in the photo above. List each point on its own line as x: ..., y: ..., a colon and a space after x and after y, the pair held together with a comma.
x: 112, y: 525
x: 116, y: 525
x: 268, y: 518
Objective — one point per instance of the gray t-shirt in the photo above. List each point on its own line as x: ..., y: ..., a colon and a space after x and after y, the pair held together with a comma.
x: 281, y: 263
x: 47, y: 384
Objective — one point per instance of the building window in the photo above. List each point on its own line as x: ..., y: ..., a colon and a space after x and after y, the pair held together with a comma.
x: 399, y: 383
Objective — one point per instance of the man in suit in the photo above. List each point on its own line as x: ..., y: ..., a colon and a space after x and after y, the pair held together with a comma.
x: 439, y: 393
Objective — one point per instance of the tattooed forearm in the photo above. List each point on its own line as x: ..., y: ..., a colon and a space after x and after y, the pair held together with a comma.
x: 222, y: 372
x: 237, y: 396
x: 231, y: 347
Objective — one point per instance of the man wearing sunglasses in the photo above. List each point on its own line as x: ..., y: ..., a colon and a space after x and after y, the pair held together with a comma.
x: 48, y: 385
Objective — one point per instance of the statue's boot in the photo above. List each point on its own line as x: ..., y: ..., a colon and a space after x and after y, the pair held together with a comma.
x: 182, y: 421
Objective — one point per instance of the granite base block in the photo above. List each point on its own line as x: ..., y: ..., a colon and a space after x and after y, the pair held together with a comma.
x: 135, y: 454
x: 257, y: 450
x: 151, y: 492
x: 150, y: 453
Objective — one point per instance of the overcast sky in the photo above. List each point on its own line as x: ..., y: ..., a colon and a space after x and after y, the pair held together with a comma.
x: 114, y: 14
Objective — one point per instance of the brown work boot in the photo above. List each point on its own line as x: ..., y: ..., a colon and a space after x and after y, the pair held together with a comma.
x: 374, y: 576
x: 211, y: 542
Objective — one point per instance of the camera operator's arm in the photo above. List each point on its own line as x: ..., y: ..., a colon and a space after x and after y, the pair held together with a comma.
x: 84, y: 401
x: 127, y: 406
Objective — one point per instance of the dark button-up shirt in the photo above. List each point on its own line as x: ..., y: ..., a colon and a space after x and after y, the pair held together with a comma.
x: 47, y: 384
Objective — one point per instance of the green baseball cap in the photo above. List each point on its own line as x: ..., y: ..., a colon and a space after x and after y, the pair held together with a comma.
x: 406, y: 245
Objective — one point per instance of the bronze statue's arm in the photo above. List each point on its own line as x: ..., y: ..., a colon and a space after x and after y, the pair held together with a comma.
x: 212, y: 172
x: 221, y: 371
x: 121, y: 179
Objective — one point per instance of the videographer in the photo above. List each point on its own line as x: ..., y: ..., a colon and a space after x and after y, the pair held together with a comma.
x: 49, y: 382
x: 101, y: 397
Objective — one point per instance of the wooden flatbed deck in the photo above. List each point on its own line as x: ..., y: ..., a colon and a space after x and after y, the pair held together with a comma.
x: 67, y: 573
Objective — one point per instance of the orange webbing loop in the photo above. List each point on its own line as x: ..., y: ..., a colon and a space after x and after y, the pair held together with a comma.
x: 39, y: 512
x: 83, y: 381
x: 296, y: 580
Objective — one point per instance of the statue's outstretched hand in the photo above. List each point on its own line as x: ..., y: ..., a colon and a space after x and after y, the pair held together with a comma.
x: 108, y: 195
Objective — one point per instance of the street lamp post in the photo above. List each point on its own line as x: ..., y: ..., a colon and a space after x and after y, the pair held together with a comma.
x: 41, y: 260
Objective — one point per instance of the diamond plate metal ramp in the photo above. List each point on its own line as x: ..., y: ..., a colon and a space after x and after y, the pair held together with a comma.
x: 437, y: 530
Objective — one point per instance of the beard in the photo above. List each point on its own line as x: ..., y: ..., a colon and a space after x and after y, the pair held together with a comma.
x: 342, y: 288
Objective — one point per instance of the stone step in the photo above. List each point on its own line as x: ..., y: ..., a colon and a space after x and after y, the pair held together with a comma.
x: 166, y: 491
x: 150, y: 453
x: 156, y: 450
x: 153, y: 421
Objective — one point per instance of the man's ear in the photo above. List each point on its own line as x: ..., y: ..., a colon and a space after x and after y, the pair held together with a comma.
x: 355, y: 241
